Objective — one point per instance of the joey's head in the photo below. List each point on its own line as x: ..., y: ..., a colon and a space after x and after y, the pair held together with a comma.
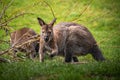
x: 46, y: 29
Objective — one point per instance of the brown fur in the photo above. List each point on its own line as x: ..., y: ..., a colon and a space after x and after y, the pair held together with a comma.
x: 20, y: 36
x: 68, y: 39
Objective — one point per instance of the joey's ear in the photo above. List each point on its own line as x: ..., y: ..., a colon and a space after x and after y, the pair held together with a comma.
x: 53, y: 21
x: 41, y: 22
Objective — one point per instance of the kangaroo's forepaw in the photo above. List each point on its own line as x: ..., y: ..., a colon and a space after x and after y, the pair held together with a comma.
x: 51, y: 55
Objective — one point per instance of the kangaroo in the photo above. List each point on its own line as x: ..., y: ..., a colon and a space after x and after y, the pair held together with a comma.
x: 67, y: 39
x: 20, y: 36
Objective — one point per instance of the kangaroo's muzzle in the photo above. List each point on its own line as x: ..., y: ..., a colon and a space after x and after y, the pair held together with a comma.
x: 46, y: 39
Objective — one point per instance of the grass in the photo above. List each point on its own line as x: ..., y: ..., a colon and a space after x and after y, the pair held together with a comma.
x: 102, y: 18
x: 55, y: 70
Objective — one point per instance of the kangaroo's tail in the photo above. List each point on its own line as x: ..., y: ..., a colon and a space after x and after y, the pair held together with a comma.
x: 97, y: 54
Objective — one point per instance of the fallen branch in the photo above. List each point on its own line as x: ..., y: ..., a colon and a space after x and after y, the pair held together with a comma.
x: 4, y: 60
x: 83, y: 62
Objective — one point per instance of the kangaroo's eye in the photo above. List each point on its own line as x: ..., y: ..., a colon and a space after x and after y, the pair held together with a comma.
x: 43, y: 32
x: 49, y: 32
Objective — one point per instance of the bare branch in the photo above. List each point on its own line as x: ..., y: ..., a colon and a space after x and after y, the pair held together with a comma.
x: 3, y: 41
x: 50, y: 8
x: 16, y: 16
x: 101, y: 16
x: 71, y: 10
x: 29, y: 41
x: 83, y: 11
x: 32, y: 39
x: 97, y: 17
x: 27, y: 33
x: 26, y: 8
x: 6, y: 51
x: 5, y: 8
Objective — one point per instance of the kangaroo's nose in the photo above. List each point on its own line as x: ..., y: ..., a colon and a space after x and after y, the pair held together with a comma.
x: 46, y: 38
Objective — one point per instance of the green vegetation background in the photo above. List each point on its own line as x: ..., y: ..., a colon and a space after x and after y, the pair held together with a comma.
x: 101, y: 17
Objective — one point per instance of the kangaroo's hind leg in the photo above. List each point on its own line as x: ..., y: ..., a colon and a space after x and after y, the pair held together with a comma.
x: 68, y: 54
x: 75, y: 59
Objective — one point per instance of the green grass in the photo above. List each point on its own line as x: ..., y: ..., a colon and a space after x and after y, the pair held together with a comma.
x: 55, y: 70
x: 102, y: 18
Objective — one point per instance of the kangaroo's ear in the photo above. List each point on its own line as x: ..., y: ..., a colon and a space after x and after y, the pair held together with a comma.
x: 53, y: 21
x: 41, y: 22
